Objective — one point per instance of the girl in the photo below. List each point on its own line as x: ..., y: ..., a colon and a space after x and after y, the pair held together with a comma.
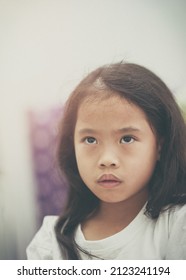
x: 122, y: 149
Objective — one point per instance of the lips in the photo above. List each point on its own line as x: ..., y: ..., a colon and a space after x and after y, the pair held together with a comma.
x: 108, y: 181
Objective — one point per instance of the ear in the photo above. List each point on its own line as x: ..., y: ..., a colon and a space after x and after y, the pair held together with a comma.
x: 160, y: 144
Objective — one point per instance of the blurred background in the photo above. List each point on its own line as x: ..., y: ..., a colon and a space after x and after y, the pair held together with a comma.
x: 46, y: 48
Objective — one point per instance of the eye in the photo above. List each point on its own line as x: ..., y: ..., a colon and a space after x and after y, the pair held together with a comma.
x: 127, y: 140
x: 90, y: 140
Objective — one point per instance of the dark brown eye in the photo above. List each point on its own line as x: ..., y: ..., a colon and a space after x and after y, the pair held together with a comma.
x: 90, y: 140
x: 127, y: 140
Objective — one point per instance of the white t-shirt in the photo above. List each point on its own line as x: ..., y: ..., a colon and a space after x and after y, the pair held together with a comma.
x: 143, y: 238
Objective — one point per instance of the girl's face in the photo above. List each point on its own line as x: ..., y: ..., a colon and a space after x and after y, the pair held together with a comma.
x: 116, y: 149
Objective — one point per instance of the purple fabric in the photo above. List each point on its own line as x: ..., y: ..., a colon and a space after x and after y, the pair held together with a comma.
x: 51, y: 189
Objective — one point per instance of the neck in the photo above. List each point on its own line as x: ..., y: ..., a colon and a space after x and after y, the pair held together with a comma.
x: 111, y: 218
x: 121, y: 212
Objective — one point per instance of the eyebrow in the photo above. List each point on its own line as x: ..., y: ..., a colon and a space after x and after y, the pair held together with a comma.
x: 124, y: 130
x: 129, y: 129
x: 86, y: 130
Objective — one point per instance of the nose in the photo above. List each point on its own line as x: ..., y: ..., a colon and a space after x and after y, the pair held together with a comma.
x: 108, y: 159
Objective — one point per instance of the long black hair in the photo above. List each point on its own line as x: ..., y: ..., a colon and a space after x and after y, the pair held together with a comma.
x: 140, y: 86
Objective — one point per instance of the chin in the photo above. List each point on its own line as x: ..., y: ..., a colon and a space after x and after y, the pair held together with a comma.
x: 112, y: 199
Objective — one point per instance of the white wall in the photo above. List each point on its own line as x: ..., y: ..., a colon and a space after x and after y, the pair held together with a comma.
x: 46, y: 47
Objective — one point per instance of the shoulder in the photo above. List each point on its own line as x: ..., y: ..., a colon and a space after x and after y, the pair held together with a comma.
x: 172, y: 216
x: 47, y: 227
x: 173, y: 219
x: 44, y: 244
x: 177, y: 233
x: 177, y: 217
x: 49, y: 222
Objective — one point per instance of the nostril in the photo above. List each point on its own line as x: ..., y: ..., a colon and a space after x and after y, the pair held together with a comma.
x: 108, y: 161
x: 107, y: 165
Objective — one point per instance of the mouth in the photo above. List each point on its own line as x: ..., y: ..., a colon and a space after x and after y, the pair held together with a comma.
x: 108, y: 181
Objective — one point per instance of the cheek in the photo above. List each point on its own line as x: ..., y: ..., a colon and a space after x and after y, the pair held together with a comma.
x: 85, y: 171
x: 83, y: 159
x: 144, y: 168
x: 143, y: 160
x: 79, y: 157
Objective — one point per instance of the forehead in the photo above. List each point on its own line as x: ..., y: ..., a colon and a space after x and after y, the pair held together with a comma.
x: 113, y: 111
